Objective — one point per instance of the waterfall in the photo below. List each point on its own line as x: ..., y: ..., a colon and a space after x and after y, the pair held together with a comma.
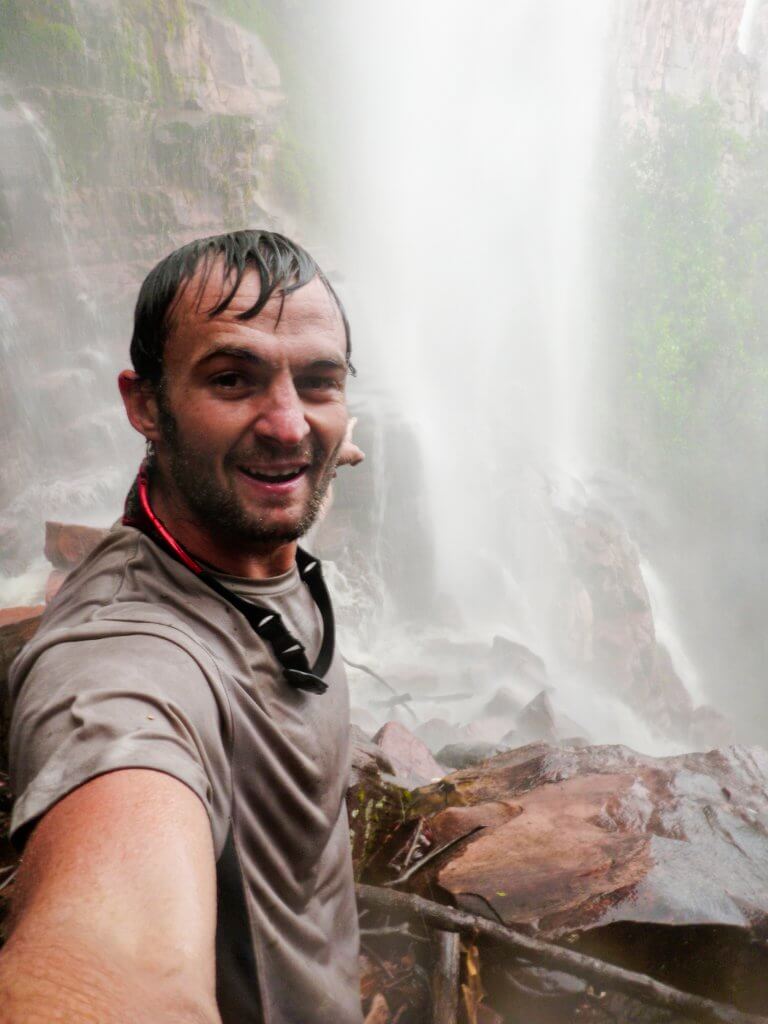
x: 56, y: 409
x: 464, y: 148
x: 745, y: 40
x: 465, y: 143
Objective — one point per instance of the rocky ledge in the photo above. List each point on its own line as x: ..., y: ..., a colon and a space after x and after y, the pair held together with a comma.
x: 658, y: 865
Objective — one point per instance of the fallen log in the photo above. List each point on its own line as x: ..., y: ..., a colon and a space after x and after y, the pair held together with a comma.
x: 597, y: 972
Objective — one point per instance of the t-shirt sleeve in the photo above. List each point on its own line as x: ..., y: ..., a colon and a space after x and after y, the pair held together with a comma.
x: 132, y: 701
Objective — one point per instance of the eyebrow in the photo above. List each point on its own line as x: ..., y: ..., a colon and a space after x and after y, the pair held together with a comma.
x: 236, y: 352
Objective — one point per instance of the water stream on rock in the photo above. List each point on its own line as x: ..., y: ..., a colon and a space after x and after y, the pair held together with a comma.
x: 63, y: 437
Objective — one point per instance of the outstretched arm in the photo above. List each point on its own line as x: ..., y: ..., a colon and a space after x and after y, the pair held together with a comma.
x: 115, y: 915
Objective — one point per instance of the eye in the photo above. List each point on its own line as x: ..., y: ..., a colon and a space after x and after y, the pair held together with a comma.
x: 229, y: 380
x: 317, y: 383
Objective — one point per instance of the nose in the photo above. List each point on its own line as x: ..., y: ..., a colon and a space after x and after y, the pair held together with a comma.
x: 281, y: 416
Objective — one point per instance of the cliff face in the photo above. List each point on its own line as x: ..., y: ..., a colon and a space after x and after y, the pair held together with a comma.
x: 688, y: 320
x: 158, y: 119
x: 692, y: 49
x: 126, y: 129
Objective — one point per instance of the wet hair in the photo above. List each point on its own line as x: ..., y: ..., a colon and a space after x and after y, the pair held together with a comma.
x: 282, y: 266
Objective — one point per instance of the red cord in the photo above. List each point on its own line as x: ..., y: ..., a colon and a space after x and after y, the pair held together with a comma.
x: 178, y: 550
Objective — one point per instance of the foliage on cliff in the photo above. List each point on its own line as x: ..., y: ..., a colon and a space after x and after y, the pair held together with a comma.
x: 298, y: 164
x: 42, y: 42
x: 688, y: 307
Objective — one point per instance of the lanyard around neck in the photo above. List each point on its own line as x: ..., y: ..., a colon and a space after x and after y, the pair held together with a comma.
x: 267, y: 624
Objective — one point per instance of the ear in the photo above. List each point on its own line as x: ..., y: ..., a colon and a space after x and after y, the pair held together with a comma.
x: 140, y: 403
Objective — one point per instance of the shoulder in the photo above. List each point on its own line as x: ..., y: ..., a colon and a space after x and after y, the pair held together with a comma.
x: 126, y: 587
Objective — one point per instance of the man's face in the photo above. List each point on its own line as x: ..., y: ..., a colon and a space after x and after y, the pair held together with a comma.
x: 252, y: 412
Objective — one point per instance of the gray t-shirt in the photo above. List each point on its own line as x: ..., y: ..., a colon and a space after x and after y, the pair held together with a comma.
x: 137, y: 663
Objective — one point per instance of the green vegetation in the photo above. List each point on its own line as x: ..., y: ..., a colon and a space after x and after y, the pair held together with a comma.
x: 39, y: 41
x: 41, y: 44
x: 95, y: 86
x: 689, y: 309
x: 78, y: 126
x: 374, y: 815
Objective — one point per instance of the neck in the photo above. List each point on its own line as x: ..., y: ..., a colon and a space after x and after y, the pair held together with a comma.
x: 250, y: 560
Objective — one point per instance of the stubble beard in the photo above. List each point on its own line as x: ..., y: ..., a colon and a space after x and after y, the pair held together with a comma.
x: 220, y: 510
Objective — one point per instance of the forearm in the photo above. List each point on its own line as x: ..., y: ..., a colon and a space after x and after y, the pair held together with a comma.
x: 45, y: 982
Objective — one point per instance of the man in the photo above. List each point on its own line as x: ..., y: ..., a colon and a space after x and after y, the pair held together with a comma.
x: 179, y: 734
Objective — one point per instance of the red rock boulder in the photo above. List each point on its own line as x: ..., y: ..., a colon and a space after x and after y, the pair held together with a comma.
x: 66, y: 544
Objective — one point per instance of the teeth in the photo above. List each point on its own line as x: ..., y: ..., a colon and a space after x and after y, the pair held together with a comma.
x: 274, y: 475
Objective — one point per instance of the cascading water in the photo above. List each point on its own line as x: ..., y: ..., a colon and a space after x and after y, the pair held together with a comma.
x: 464, y: 147
x: 465, y: 150
x: 747, y: 26
x: 59, y: 418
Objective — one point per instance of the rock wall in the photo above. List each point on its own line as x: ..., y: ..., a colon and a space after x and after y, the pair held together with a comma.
x: 163, y: 121
x: 685, y: 232
x: 126, y: 128
x: 691, y: 49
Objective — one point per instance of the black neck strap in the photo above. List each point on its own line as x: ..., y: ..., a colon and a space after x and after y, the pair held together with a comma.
x: 267, y: 624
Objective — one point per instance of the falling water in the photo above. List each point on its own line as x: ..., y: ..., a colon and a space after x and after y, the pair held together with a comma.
x: 466, y: 143
x: 58, y: 409
x: 747, y: 26
x: 464, y: 160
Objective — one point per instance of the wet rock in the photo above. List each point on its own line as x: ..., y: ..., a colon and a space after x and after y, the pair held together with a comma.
x: 548, y: 984
x: 454, y: 822
x: 463, y: 755
x: 513, y: 739
x: 619, y: 648
x: 510, y: 740
x: 664, y: 697
x: 367, y: 757
x: 503, y: 704
x: 413, y: 763
x: 486, y: 729
x: 658, y: 864
x: 606, y: 565
x: 516, y: 659
x: 578, y: 620
x: 67, y: 544
x: 525, y: 992
x: 679, y: 53
x: 710, y: 729
x: 437, y: 733
x: 226, y: 68
x: 541, y: 720
x: 17, y: 625
x: 507, y: 867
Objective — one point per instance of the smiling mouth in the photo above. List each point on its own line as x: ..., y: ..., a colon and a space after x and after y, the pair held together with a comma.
x: 281, y: 476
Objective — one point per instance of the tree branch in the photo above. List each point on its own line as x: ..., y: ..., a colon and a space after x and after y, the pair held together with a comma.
x: 703, y: 1011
